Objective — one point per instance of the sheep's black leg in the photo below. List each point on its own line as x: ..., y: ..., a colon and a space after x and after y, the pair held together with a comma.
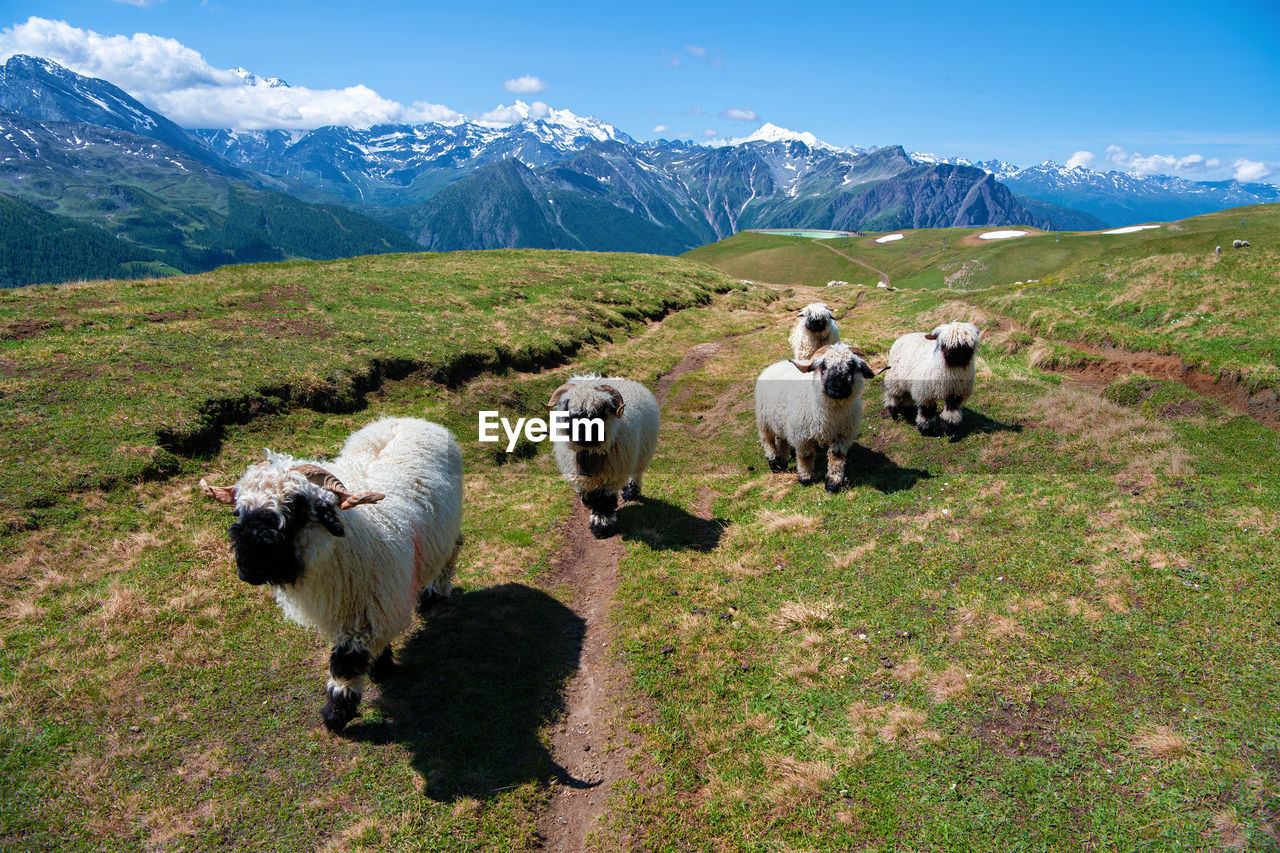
x: 835, y: 468
x: 384, y: 667
x: 631, y: 491
x: 348, y: 665
x: 776, y: 451
x: 926, y: 417
x: 604, y: 512
x: 952, y: 414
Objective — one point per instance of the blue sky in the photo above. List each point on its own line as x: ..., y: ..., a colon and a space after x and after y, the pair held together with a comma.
x: 1168, y: 87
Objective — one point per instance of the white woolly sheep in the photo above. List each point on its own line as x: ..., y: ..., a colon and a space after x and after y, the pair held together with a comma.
x: 599, y: 467
x: 928, y: 369
x: 350, y: 545
x: 807, y: 405
x: 1239, y: 244
x: 815, y: 327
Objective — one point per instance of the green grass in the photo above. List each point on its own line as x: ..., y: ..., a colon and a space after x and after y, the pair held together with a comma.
x: 1176, y: 296
x: 1056, y: 632
x: 116, y: 381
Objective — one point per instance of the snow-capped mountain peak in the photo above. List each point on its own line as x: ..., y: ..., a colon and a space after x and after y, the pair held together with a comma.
x: 769, y: 132
x: 251, y: 79
x: 568, y: 124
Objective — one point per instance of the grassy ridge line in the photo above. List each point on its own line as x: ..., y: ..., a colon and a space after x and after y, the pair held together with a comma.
x: 955, y: 259
x: 112, y: 381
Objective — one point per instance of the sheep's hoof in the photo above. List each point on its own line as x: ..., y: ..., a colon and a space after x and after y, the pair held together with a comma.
x: 428, y: 599
x: 340, y: 709
x: 602, y: 529
x: 630, y: 491
x: 806, y: 480
x: 949, y: 428
x: 777, y: 466
x: 833, y: 486
x: 384, y: 667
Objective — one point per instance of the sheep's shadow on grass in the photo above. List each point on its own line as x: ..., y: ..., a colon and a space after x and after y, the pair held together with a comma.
x: 867, y: 467
x: 977, y: 423
x: 972, y: 423
x: 474, y: 685
x: 663, y: 526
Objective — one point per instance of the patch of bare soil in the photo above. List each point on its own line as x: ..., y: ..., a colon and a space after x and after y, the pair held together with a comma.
x: 1263, y: 406
x: 591, y: 743
x: 1228, y: 389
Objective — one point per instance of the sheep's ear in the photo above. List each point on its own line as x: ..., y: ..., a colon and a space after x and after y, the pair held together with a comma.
x: 556, y: 395
x: 221, y: 494
x: 932, y: 336
x: 619, y: 405
x: 327, y: 515
x: 865, y: 370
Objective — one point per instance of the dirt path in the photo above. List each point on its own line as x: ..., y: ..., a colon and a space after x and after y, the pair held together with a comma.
x: 591, y: 743
x: 884, y: 276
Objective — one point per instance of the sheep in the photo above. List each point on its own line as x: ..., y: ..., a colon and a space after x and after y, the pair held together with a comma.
x: 815, y: 327
x: 1218, y: 250
x: 348, y: 545
x: 1239, y: 244
x: 927, y: 369
x: 598, y: 467
x: 806, y: 405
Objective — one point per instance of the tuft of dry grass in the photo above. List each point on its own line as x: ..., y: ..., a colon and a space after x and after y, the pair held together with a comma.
x: 1230, y: 835
x: 1162, y: 742
x: 795, y: 781
x: 947, y: 684
x: 774, y: 521
x: 793, y: 615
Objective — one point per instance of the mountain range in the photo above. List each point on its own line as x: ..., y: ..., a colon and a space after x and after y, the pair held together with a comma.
x: 89, y: 155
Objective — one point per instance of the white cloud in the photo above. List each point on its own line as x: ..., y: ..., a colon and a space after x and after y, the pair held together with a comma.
x: 142, y: 4
x: 502, y: 116
x: 669, y: 59
x: 662, y: 128
x: 1250, y: 171
x: 1161, y: 164
x: 1082, y: 159
x: 709, y: 133
x: 695, y: 50
x: 526, y: 85
x: 177, y: 81
x: 736, y: 114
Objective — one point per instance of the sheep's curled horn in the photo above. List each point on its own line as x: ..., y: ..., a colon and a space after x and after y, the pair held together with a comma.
x: 618, y: 403
x: 323, y: 478
x: 806, y: 366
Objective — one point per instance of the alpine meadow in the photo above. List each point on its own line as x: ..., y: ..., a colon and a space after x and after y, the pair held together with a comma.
x: 812, y: 497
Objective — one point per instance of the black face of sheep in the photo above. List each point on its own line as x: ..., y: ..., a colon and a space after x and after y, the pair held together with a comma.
x: 959, y: 356
x: 264, y: 542
x: 816, y: 324
x: 580, y: 426
x: 837, y: 379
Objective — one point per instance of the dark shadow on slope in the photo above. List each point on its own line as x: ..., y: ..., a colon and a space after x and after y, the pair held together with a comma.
x: 663, y: 526
x: 867, y: 467
x: 976, y: 422
x: 474, y: 686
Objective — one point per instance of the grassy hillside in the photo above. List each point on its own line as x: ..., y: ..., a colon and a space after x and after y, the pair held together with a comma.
x: 955, y: 259
x: 114, y: 381
x: 1056, y: 631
